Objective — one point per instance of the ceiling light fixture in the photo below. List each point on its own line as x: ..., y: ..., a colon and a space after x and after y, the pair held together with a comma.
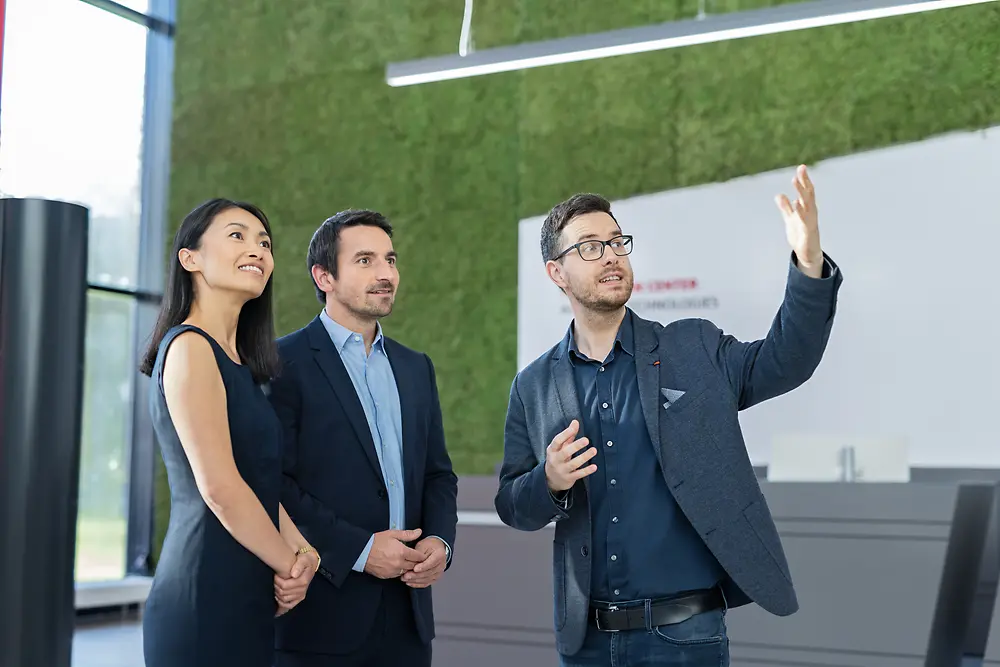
x: 711, y: 28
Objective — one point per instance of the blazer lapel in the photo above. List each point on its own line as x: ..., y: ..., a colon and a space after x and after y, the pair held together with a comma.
x: 647, y: 371
x: 569, y: 403
x: 333, y: 368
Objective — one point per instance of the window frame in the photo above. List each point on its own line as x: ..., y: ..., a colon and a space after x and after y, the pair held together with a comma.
x: 154, y: 187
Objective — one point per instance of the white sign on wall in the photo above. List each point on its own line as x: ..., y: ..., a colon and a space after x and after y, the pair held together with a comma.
x: 915, y: 349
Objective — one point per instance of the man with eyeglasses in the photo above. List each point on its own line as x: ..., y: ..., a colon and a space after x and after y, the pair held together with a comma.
x: 626, y: 435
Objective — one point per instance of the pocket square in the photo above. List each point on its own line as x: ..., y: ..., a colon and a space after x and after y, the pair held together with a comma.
x: 672, y: 395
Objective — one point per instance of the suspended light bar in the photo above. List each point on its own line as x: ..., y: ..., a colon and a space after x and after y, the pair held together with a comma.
x: 713, y: 28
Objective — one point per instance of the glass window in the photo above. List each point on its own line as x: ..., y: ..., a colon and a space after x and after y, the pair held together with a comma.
x: 73, y: 94
x: 104, y: 457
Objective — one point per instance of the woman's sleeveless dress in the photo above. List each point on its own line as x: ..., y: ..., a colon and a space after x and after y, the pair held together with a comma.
x: 212, y: 601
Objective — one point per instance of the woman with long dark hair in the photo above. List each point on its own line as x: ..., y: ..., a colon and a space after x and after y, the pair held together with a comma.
x: 232, y: 559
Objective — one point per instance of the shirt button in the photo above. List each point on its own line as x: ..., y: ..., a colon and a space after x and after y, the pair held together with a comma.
x: 393, y: 525
x: 613, y: 482
x: 617, y: 592
x: 614, y: 519
x: 602, y: 369
x: 392, y: 482
x: 614, y: 557
x: 610, y: 444
x: 605, y: 405
x: 357, y: 339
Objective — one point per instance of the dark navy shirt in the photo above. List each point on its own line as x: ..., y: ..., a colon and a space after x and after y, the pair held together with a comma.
x: 643, y: 545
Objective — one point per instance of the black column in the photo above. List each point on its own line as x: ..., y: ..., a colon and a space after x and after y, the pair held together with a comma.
x: 43, y: 284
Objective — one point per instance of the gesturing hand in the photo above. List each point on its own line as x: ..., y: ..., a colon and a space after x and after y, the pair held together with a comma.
x: 429, y: 571
x: 562, y: 469
x: 291, y: 590
x: 802, y: 224
x: 390, y: 557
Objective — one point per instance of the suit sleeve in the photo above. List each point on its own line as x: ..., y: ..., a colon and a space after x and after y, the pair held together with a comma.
x: 338, y: 542
x: 794, y: 345
x: 523, y: 500
x: 440, y: 499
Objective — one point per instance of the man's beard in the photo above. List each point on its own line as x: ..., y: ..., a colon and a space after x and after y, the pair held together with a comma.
x: 371, y: 311
x: 374, y: 306
x: 592, y: 298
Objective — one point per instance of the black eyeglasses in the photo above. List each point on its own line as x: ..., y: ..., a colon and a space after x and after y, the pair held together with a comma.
x: 593, y: 250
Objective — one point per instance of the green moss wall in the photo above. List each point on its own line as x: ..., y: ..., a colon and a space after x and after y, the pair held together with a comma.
x: 285, y: 104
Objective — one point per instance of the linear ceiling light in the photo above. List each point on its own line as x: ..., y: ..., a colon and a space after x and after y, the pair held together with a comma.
x: 713, y: 28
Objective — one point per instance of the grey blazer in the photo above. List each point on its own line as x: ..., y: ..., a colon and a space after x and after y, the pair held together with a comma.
x: 690, y: 401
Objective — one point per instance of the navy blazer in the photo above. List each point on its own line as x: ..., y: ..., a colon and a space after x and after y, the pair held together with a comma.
x: 693, y: 381
x: 333, y: 488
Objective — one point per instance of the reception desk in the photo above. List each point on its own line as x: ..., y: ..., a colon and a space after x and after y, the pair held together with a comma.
x: 886, y: 575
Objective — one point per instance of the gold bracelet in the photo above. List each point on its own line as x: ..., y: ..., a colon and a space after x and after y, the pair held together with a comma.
x: 305, y: 550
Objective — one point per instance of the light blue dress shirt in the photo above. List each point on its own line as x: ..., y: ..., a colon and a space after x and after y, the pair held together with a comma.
x: 375, y: 385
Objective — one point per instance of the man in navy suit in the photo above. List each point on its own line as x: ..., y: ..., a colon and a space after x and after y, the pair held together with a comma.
x: 367, y: 476
x: 626, y: 435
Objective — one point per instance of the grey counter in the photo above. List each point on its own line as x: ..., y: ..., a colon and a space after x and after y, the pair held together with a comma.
x: 886, y: 574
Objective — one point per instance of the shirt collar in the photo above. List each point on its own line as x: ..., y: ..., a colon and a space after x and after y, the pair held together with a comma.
x: 341, y: 335
x: 624, y: 340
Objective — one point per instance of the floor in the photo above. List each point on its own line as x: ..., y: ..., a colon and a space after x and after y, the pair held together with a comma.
x: 108, y: 644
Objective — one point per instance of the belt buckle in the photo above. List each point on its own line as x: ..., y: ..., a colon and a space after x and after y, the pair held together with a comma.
x: 597, y: 617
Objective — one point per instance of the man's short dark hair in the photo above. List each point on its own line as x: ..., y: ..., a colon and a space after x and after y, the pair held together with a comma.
x: 326, y: 239
x: 563, y: 213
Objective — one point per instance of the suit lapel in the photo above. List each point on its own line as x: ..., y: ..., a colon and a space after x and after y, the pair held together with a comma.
x: 333, y: 368
x: 647, y: 372
x: 407, y: 410
x: 569, y: 403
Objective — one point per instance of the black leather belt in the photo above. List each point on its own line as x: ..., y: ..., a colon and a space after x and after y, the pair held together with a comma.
x: 613, y: 618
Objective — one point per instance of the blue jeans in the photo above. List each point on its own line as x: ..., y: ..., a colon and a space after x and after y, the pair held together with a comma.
x: 700, y: 641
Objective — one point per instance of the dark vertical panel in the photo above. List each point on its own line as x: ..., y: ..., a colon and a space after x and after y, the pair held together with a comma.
x: 43, y: 270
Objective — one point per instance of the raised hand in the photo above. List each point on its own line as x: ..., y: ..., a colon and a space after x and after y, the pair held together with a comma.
x: 802, y: 224
x: 291, y: 590
x: 562, y: 469
x: 390, y: 557
x: 429, y: 571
